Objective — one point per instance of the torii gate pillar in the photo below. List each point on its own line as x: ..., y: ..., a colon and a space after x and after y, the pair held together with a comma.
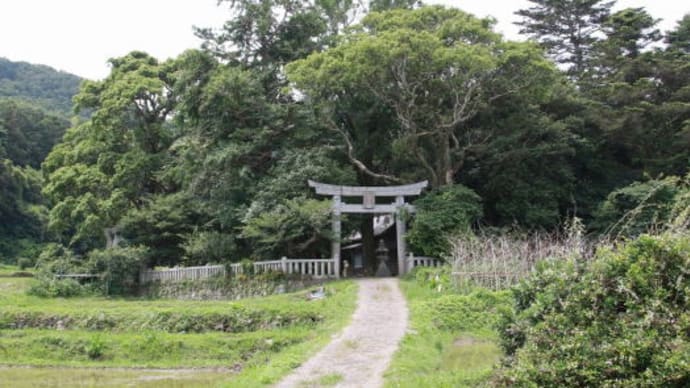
x: 335, y: 243
x: 400, y: 230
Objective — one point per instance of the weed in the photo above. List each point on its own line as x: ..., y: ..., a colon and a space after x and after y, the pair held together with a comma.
x: 96, y: 347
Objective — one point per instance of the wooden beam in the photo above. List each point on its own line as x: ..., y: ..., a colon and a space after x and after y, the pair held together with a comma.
x: 381, y: 209
x: 360, y: 191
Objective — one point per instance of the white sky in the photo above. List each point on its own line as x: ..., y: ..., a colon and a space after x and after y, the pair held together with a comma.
x: 79, y: 36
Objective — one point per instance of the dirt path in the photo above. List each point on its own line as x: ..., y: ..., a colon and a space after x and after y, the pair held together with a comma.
x: 359, y: 355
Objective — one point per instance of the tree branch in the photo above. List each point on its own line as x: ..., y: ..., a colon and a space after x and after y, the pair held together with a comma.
x: 356, y: 162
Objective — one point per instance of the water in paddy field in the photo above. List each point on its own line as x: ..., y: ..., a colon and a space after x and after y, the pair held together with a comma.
x: 19, y: 377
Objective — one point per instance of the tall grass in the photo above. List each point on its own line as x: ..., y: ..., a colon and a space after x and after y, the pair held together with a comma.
x: 498, y: 261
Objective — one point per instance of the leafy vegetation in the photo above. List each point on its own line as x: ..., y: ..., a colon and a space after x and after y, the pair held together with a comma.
x: 445, y: 212
x: 621, y: 319
x: 452, y: 340
x: 643, y: 207
x: 38, y: 85
x: 255, y: 341
x: 204, y: 157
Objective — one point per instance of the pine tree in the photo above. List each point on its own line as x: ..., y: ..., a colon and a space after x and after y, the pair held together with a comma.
x: 566, y: 28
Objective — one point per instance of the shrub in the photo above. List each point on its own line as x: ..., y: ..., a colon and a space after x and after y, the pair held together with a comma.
x: 208, y: 247
x: 24, y: 263
x: 623, y: 320
x: 119, y: 267
x: 641, y: 207
x: 56, y: 259
x: 48, y: 286
x: 95, y: 347
x: 436, y: 278
x: 447, y: 211
x: 475, y: 311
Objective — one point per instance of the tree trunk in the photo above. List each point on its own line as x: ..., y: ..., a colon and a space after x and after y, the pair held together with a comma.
x: 447, y: 172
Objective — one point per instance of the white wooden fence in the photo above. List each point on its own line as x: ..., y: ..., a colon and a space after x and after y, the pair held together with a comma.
x: 315, y: 268
x: 422, y: 261
x: 182, y: 273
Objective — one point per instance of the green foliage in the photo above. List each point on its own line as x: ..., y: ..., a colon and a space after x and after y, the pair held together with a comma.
x: 440, y: 214
x: 56, y: 259
x: 96, y: 347
x: 566, y: 28
x: 622, y: 319
x: 111, y: 163
x: 119, y: 268
x: 208, y: 247
x: 292, y: 227
x: 453, y: 65
x: 236, y: 338
x: 48, y: 286
x: 38, y: 85
x: 29, y: 132
x: 164, y: 225
x: 22, y: 211
x: 25, y: 263
x: 451, y: 341
x: 640, y: 207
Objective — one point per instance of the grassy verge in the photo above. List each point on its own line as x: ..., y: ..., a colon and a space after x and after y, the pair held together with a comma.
x: 7, y: 270
x: 251, y: 342
x: 451, y: 341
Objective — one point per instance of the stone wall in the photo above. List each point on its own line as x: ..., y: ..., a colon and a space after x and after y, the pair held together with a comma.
x: 225, y: 289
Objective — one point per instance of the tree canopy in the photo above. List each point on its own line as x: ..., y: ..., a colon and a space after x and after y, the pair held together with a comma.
x: 205, y: 157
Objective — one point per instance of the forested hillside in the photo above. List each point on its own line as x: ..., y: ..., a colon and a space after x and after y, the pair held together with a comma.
x: 27, y: 134
x: 35, y: 107
x: 205, y: 157
x: 39, y: 85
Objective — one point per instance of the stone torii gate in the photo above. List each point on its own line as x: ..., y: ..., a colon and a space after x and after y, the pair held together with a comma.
x: 369, y: 205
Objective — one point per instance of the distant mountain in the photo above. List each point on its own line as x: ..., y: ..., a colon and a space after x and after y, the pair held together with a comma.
x: 39, y: 85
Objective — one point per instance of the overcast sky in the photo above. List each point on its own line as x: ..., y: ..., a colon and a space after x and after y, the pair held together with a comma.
x: 79, y: 36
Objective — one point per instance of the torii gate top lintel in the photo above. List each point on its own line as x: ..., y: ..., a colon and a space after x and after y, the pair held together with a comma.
x: 378, y: 191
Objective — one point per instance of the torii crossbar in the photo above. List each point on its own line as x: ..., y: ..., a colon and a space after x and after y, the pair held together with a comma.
x: 369, y: 205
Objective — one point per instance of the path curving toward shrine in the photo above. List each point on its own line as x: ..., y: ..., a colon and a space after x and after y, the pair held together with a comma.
x: 361, y: 353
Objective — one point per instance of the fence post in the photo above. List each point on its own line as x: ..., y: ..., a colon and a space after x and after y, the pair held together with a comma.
x: 285, y: 264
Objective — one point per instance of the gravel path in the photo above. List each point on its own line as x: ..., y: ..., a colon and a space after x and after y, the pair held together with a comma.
x: 359, y: 355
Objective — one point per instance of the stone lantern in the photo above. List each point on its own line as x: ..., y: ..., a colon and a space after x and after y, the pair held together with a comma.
x: 382, y: 256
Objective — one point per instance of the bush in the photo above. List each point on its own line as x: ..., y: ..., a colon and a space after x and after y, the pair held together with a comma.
x: 444, y: 212
x: 48, y: 286
x: 95, y: 347
x: 641, y: 207
x: 119, y: 267
x: 24, y: 263
x: 623, y: 320
x: 208, y: 247
x: 56, y: 259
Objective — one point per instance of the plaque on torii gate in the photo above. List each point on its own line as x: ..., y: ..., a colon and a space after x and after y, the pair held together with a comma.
x: 369, y: 205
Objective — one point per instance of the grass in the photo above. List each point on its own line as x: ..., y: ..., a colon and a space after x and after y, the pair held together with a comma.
x: 81, y: 377
x: 252, y: 342
x: 328, y: 380
x: 7, y: 270
x: 451, y: 341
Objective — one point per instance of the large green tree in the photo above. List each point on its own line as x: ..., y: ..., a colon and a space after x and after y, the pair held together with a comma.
x: 112, y: 163
x: 433, y: 69
x: 642, y: 94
